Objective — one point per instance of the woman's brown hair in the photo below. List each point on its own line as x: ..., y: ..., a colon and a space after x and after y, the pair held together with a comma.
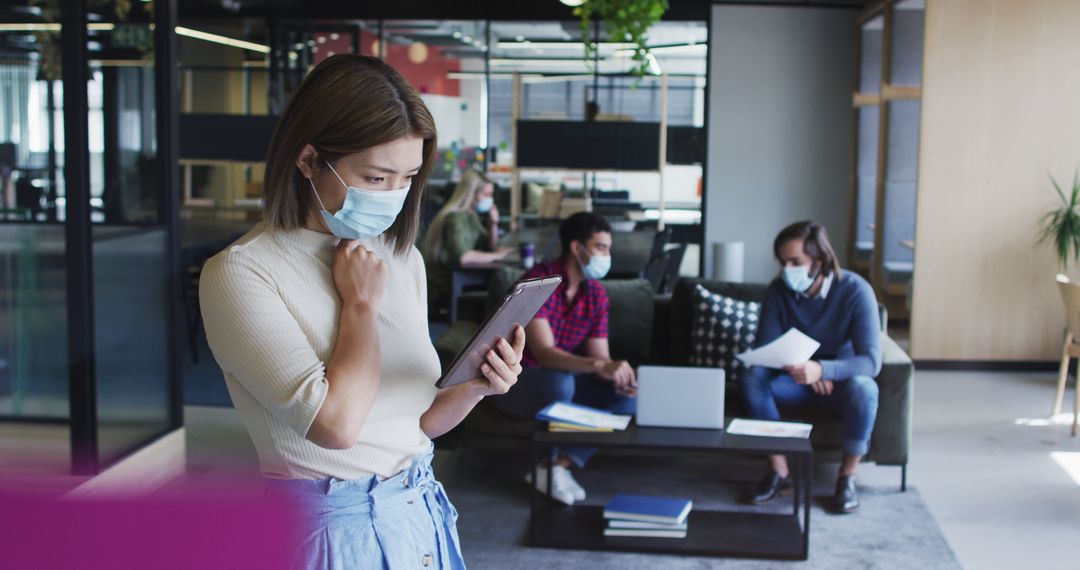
x: 347, y: 103
x: 815, y: 243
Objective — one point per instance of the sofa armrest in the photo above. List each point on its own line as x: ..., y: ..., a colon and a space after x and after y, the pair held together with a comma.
x: 660, y: 352
x: 891, y: 439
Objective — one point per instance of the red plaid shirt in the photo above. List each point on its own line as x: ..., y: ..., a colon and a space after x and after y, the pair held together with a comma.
x: 572, y: 321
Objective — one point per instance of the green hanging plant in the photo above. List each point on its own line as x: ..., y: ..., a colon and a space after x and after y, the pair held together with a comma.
x: 624, y: 20
x: 1061, y: 225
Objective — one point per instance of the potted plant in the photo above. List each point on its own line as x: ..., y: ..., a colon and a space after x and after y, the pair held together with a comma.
x: 624, y: 20
x: 1061, y: 225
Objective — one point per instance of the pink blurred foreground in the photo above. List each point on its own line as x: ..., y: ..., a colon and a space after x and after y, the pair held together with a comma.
x: 205, y: 529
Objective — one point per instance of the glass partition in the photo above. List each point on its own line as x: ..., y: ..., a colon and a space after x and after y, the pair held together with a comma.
x: 33, y: 254
x: 129, y: 245
x: 896, y: 234
x: 33, y: 328
x: 85, y: 231
x: 867, y: 104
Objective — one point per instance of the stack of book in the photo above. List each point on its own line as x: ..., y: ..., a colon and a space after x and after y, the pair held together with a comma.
x: 564, y: 416
x: 641, y: 516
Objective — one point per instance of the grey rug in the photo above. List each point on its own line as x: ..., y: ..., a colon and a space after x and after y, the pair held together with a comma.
x: 892, y: 530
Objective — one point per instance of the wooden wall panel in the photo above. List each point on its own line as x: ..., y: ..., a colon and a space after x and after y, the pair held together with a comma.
x: 1001, y: 113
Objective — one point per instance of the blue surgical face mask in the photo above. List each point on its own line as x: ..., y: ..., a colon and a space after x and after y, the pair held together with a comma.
x: 798, y: 278
x: 485, y: 204
x: 597, y: 267
x: 365, y: 213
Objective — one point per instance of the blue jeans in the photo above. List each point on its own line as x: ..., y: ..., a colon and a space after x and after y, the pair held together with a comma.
x: 538, y: 387
x: 855, y: 400
x: 405, y: 521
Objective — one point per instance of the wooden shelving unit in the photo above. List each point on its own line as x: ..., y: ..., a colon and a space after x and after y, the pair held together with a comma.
x: 516, y: 170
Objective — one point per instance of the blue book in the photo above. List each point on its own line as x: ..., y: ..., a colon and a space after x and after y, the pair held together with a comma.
x: 651, y: 509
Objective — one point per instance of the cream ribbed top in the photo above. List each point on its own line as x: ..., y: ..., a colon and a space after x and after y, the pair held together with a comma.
x: 271, y: 314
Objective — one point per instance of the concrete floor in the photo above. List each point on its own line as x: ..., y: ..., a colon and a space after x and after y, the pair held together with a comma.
x: 987, y: 473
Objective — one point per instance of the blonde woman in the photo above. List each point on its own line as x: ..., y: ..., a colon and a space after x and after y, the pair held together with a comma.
x: 317, y: 318
x: 464, y: 231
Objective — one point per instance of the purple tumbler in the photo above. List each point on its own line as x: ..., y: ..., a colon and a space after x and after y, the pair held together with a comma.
x: 528, y: 255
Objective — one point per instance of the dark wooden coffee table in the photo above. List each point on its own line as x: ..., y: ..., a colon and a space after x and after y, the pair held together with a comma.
x: 784, y: 536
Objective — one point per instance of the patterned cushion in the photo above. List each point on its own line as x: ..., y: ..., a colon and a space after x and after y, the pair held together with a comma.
x: 723, y: 327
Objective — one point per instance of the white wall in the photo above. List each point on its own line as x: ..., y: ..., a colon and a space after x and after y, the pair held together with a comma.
x: 780, y: 87
x: 452, y: 122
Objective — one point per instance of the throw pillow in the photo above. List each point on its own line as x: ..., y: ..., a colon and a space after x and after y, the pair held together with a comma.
x: 723, y: 327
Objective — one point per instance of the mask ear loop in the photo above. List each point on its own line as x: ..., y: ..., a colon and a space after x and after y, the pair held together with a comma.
x: 321, y: 205
x: 336, y: 174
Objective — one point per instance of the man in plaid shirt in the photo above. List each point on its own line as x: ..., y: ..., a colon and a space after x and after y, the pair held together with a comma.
x: 567, y: 357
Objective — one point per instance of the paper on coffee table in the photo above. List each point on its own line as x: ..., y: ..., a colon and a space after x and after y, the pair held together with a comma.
x: 566, y: 412
x: 793, y: 347
x: 769, y: 429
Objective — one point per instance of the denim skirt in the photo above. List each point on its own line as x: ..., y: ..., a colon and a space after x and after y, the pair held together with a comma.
x: 405, y: 521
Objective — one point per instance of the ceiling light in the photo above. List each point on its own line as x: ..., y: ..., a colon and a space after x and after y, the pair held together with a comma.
x: 481, y: 76
x: 224, y: 40
x: 689, y: 49
x: 573, y: 3
x: 560, y: 45
x: 418, y: 52
x: 334, y: 36
x: 43, y: 27
x: 456, y: 35
x: 321, y: 39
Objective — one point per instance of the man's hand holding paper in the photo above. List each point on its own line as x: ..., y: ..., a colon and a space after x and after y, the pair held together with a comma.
x: 793, y: 349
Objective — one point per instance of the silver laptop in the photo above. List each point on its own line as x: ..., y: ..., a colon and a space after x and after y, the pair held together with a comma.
x: 670, y: 396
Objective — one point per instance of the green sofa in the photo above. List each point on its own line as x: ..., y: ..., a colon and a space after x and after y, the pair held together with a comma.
x: 648, y: 329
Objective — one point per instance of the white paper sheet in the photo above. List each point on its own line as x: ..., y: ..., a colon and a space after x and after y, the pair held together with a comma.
x: 570, y: 413
x: 793, y: 347
x: 769, y: 429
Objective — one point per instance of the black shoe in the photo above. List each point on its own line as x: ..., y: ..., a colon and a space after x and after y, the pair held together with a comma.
x: 772, y: 486
x: 845, y: 500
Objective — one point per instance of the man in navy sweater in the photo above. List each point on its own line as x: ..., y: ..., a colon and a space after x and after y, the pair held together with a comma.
x: 839, y: 310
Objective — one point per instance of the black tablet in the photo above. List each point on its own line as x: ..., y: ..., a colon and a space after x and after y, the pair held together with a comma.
x: 518, y: 307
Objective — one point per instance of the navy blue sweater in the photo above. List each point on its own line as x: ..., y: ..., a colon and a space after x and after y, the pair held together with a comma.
x: 845, y: 322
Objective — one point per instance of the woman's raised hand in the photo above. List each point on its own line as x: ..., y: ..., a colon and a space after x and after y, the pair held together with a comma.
x: 359, y: 275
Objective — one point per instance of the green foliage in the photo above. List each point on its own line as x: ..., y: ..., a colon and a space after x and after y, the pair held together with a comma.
x: 625, y: 21
x: 1061, y: 225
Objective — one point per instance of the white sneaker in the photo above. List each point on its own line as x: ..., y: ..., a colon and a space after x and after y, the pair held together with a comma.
x: 560, y: 483
x: 564, y: 479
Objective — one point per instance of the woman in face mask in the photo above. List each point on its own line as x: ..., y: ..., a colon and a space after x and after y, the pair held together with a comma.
x: 318, y: 320
x: 839, y: 310
x: 466, y: 230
